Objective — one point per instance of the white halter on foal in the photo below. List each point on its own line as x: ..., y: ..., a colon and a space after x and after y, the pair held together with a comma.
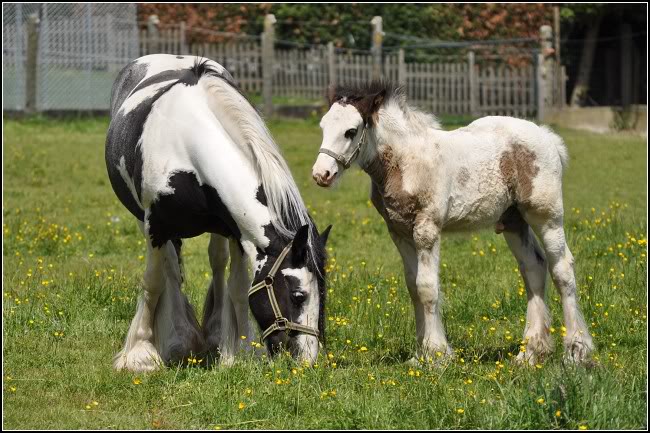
x: 346, y: 162
x: 281, y: 323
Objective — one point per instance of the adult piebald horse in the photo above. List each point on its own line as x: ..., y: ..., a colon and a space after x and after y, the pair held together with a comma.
x: 188, y: 154
x: 497, y: 171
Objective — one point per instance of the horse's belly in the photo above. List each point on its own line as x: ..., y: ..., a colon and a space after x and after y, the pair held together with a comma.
x: 476, y: 211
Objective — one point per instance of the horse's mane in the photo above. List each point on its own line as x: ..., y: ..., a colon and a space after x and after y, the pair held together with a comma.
x: 288, y: 212
x: 287, y: 209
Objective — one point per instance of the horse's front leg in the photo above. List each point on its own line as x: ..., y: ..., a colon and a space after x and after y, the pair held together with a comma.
x: 426, y: 237
x: 139, y: 352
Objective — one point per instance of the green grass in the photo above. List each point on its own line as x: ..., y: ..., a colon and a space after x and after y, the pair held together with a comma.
x: 73, y: 261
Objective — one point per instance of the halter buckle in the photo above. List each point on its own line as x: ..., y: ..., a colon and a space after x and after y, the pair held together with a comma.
x: 268, y: 280
x: 282, y: 323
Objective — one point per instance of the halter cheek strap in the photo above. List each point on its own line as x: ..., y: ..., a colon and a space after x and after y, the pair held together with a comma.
x: 347, y: 162
x: 281, y: 323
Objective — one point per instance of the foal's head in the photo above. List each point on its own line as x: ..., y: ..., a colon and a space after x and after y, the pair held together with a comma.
x: 353, y: 110
x: 296, y: 322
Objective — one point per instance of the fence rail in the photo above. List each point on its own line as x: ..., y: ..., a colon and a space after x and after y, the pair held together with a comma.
x: 87, y: 51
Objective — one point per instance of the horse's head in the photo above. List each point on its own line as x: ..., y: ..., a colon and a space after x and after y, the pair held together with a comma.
x: 345, y: 130
x: 288, y: 296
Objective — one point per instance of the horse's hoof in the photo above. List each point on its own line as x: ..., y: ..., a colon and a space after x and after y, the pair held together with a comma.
x: 578, y: 351
x: 141, y: 358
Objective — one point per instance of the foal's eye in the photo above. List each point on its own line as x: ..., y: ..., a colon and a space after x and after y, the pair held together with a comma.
x: 298, y: 297
x: 350, y: 133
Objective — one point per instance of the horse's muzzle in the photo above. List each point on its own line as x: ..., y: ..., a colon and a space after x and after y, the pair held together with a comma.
x: 325, y: 180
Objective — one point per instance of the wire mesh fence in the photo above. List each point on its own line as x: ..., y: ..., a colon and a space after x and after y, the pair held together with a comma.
x: 80, y: 48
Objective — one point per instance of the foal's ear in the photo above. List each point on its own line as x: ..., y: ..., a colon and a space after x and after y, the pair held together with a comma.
x: 300, y: 245
x: 331, y: 94
x: 370, y: 104
x: 325, y: 235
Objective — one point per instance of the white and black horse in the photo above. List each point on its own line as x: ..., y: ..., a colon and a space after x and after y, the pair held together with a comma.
x: 497, y: 171
x: 187, y: 154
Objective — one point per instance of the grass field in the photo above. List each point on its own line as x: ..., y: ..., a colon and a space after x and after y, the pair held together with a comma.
x: 73, y: 260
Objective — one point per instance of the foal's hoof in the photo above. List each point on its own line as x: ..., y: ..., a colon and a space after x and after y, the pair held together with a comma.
x: 435, y: 358
x: 528, y: 358
x: 142, y: 357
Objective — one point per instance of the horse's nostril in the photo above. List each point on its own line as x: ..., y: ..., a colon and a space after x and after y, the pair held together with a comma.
x: 327, y: 174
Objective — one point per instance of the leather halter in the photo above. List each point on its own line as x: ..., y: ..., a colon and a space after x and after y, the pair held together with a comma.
x: 281, y: 323
x: 346, y: 162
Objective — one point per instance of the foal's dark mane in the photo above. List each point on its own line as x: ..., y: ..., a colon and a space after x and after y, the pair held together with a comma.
x: 370, y: 96
x: 351, y: 93
x: 367, y: 97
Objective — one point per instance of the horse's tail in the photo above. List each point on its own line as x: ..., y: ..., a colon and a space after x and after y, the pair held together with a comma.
x: 557, y: 141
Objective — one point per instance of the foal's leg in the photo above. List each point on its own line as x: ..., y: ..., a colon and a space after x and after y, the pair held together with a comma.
x: 427, y: 296
x: 407, y: 251
x: 577, y: 340
x: 214, y: 300
x: 532, y: 265
x: 139, y: 352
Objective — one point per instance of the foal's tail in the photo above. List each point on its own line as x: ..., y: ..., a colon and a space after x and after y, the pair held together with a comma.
x: 559, y: 145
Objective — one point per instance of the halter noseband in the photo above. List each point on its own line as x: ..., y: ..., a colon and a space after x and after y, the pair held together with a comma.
x: 281, y: 323
x: 346, y: 162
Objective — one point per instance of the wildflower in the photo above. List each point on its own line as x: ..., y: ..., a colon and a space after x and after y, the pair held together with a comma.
x: 241, y: 405
x: 363, y: 349
x: 460, y: 410
x: 558, y: 414
x: 137, y: 381
x: 540, y: 400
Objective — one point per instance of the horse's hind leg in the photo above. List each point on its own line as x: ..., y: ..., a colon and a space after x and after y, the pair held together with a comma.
x: 532, y: 265
x: 177, y: 330
x: 139, y: 352
x: 214, y: 300
x: 577, y: 339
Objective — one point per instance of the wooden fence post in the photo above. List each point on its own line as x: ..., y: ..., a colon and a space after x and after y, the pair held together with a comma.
x: 183, y: 43
x: 547, y: 66
x: 153, y: 36
x: 268, y: 43
x: 541, y: 88
x: 377, y: 37
x: 401, y: 68
x: 331, y: 63
x: 31, y: 64
x: 473, y: 87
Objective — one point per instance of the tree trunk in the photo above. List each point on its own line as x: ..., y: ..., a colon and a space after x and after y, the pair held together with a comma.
x: 581, y: 87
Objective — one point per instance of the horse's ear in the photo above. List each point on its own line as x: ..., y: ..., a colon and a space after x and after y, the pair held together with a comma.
x: 325, y: 235
x: 300, y: 245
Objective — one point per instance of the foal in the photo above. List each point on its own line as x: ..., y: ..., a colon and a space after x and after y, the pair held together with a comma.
x: 497, y: 171
x: 187, y: 154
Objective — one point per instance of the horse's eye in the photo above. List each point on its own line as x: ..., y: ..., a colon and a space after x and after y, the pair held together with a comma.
x: 297, y: 297
x: 350, y: 133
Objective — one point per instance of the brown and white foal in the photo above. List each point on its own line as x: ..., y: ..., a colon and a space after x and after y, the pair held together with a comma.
x: 496, y: 172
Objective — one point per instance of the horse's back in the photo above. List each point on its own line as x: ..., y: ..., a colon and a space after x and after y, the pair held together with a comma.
x: 545, y: 144
x: 138, y: 86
